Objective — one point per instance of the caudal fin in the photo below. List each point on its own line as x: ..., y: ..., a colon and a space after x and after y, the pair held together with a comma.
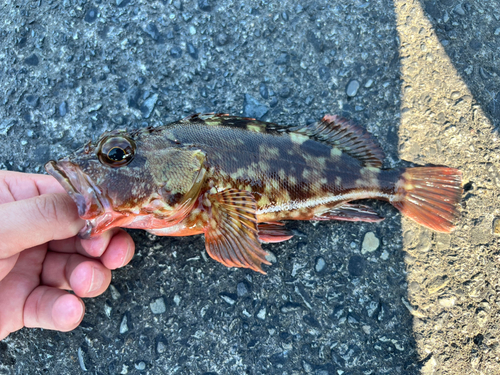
x: 430, y: 196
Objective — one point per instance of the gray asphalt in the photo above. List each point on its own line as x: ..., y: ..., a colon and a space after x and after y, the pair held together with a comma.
x: 422, y: 77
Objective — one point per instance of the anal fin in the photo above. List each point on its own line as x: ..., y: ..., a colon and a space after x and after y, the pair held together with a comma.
x: 231, y: 234
x: 350, y: 212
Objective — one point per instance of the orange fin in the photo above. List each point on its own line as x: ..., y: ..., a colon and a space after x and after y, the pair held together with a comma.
x: 347, y: 137
x: 273, y: 232
x: 231, y: 234
x: 430, y: 196
x: 350, y: 212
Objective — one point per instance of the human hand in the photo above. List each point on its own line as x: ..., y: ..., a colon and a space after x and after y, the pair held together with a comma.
x: 41, y: 257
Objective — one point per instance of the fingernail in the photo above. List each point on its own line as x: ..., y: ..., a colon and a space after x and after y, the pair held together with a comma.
x: 127, y: 255
x: 97, y: 279
x: 82, y: 311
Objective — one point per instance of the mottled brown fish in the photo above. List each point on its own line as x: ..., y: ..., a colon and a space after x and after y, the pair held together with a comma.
x: 236, y: 179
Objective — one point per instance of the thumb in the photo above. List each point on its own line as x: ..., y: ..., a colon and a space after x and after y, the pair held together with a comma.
x: 34, y: 221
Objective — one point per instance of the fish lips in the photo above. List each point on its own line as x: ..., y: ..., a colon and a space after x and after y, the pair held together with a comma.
x: 81, y: 189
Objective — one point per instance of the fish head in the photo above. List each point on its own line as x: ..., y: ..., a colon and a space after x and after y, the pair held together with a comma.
x: 141, y: 179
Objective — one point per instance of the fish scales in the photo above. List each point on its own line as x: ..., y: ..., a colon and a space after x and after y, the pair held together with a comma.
x: 283, y: 171
x: 236, y: 179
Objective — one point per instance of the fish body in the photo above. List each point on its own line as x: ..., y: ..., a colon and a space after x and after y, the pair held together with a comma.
x: 236, y: 179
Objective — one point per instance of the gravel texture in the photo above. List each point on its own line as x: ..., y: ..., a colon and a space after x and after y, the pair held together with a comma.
x: 422, y: 77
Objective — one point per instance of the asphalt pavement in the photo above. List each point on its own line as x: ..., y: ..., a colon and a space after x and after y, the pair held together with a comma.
x: 421, y: 76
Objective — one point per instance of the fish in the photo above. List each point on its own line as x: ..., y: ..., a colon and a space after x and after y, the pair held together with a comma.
x: 236, y: 180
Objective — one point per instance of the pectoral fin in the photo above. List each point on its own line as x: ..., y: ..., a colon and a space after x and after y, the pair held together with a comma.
x: 231, y: 234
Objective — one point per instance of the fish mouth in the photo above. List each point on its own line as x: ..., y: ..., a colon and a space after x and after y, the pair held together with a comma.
x: 89, y: 200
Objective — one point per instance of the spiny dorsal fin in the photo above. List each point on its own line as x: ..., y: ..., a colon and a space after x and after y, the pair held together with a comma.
x: 334, y: 131
x: 231, y: 234
x: 347, y: 137
x: 247, y: 123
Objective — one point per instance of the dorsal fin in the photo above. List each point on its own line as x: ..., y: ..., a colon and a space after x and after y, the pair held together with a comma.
x: 347, y: 137
x: 334, y: 131
x: 247, y: 123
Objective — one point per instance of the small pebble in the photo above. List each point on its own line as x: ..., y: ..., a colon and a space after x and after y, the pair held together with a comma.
x: 370, y: 243
x: 262, y: 314
x: 140, y: 366
x: 285, y: 92
x: 459, y: 10
x: 270, y: 257
x: 226, y: 298
x: 222, y: 39
x: 241, y: 289
x: 31, y: 60
x: 320, y: 265
x: 161, y: 347
x: 158, y: 306
x: 191, y: 50
x: 324, y: 74
x: 107, y: 310
x: 63, y: 109
x: 253, y: 108
x: 447, y: 302
x: 81, y: 360
x: 352, y: 88
x: 496, y: 227
x: 283, y: 59
x: 205, y: 5
x: 176, y: 52
x: 91, y: 15
x: 95, y: 107
x: 148, y: 106
x: 369, y: 83
x: 371, y: 308
x: 115, y: 294
x: 124, y: 325
x: 263, y: 91
x: 32, y: 100
x: 152, y: 31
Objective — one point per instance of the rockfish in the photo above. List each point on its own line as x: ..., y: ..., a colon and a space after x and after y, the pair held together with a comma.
x: 236, y: 179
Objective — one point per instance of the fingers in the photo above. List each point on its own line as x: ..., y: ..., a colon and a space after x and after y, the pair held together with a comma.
x: 15, y: 288
x: 51, y: 308
x: 16, y: 186
x: 6, y: 265
x: 114, y: 247
x: 86, y: 277
x: 43, y: 218
x: 119, y: 252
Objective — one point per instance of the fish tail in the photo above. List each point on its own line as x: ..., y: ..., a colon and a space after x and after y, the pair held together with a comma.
x: 430, y: 196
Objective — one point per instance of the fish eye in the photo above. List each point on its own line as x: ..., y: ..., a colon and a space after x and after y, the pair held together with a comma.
x: 116, y: 152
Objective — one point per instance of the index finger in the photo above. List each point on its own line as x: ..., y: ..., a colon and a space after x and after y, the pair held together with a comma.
x: 35, y: 221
